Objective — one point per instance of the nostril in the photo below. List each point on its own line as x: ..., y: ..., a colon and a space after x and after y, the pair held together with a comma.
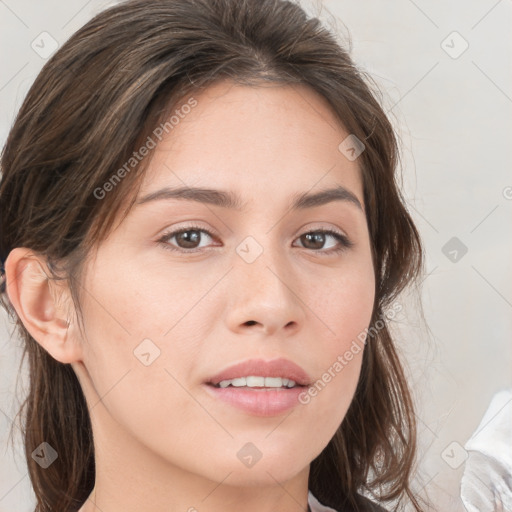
x: 250, y: 322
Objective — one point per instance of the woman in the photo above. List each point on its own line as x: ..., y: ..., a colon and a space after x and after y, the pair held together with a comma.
x: 203, y: 245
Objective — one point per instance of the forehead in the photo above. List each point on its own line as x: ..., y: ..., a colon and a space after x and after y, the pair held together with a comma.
x: 270, y: 140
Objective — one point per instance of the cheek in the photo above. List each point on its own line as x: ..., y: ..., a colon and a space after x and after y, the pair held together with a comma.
x: 138, y: 330
x: 140, y: 375
x: 345, y: 309
x: 344, y: 304
x: 140, y: 344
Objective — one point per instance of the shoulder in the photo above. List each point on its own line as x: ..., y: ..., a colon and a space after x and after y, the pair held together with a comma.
x: 363, y: 505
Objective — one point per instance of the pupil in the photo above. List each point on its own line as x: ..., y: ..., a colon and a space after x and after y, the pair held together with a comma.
x: 191, y: 240
x: 317, y: 238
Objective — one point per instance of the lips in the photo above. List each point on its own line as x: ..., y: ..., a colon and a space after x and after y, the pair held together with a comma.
x: 281, y: 367
x: 258, y: 400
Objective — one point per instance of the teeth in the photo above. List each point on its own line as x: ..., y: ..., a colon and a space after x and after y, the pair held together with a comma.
x: 258, y: 382
x: 252, y: 382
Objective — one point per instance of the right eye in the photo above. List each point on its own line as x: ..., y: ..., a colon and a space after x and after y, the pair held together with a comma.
x: 188, y: 237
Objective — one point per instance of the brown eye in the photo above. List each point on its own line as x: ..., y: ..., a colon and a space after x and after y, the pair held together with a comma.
x: 315, y: 241
x: 186, y: 240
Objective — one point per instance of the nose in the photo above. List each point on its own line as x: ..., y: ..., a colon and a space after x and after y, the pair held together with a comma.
x: 264, y: 296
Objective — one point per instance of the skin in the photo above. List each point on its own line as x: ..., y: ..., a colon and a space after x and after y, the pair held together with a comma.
x: 161, y: 442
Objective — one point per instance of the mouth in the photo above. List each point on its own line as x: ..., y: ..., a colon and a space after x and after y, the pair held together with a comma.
x: 258, y: 387
x: 279, y: 373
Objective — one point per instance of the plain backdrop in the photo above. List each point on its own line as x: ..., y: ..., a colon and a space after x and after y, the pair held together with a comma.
x: 445, y: 73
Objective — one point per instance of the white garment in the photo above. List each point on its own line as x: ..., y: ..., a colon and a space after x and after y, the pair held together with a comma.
x: 487, y: 480
x: 316, y: 506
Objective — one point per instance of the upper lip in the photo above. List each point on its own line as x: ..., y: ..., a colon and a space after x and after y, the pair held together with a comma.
x: 276, y: 368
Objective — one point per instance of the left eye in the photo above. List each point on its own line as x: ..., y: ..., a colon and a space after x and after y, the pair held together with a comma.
x: 319, y: 237
x: 188, y: 238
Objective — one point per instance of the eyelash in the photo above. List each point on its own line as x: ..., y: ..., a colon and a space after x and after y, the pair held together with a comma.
x: 345, y: 243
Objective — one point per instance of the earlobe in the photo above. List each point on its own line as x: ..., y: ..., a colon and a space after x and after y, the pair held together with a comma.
x: 39, y: 302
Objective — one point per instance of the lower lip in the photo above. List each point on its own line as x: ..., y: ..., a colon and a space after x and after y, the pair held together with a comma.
x: 259, y: 401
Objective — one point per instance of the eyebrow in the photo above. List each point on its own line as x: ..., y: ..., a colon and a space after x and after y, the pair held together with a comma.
x: 230, y: 200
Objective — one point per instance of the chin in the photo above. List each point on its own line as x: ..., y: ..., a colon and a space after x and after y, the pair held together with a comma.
x: 262, y: 476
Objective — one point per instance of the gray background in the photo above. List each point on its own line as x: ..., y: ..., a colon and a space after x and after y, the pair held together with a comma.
x: 452, y: 110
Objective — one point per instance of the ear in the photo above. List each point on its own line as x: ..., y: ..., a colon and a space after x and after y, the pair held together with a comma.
x: 43, y: 305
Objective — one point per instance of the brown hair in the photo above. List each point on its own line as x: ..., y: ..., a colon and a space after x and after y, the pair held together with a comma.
x: 96, y: 101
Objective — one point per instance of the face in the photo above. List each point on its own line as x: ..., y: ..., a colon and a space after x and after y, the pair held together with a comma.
x: 183, y: 289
